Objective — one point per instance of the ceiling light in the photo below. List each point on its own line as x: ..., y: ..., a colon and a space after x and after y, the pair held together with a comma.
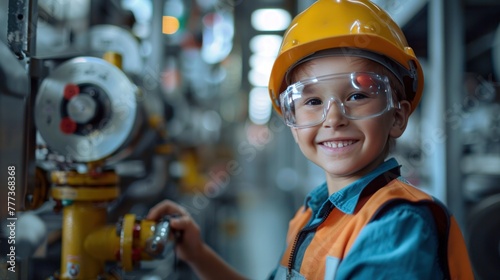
x: 270, y: 19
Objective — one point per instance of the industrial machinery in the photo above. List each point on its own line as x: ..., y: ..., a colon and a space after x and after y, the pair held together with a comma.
x: 87, y: 114
x: 108, y: 107
x: 87, y: 111
x: 81, y: 115
x: 104, y: 130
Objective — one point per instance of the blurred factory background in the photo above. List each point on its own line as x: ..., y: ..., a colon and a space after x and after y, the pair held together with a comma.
x: 108, y: 107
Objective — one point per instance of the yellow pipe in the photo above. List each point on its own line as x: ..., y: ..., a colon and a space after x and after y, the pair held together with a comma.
x: 113, y: 58
x: 126, y: 242
x: 73, y: 178
x: 90, y: 193
x: 79, y: 220
x: 103, y: 244
x: 87, y: 242
x: 147, y: 231
x: 107, y: 244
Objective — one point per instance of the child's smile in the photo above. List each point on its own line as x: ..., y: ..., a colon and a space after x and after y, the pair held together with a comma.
x: 338, y: 144
x: 346, y: 149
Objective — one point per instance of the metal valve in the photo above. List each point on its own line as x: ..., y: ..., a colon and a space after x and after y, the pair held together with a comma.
x: 161, y: 241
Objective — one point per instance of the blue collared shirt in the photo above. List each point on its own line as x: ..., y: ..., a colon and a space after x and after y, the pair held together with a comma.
x: 400, y: 244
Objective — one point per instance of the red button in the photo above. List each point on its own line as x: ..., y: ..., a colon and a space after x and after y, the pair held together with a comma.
x: 70, y: 91
x: 67, y: 126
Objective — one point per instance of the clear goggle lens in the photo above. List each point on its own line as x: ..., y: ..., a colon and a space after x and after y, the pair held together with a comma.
x: 358, y: 95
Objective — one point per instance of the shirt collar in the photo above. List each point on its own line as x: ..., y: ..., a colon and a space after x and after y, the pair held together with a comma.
x: 347, y: 198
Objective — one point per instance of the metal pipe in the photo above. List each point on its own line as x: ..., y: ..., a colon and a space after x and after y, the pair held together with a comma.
x: 453, y: 79
x: 434, y: 104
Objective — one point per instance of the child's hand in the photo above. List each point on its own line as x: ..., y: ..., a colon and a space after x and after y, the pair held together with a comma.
x: 190, y: 242
x: 191, y: 248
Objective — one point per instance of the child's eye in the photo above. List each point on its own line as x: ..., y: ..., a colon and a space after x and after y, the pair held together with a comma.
x: 313, y: 101
x: 357, y: 96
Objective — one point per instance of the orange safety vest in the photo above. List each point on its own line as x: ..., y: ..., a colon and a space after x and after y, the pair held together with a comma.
x: 340, y: 230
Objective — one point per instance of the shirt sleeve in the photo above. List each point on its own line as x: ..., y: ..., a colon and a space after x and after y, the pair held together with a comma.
x: 400, y: 244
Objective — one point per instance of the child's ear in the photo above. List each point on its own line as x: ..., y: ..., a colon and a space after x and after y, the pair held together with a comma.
x: 400, y: 119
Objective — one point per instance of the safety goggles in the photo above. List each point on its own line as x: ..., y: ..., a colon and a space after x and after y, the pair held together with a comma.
x: 358, y: 95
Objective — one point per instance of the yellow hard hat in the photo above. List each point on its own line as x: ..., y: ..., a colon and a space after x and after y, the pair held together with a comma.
x: 348, y: 27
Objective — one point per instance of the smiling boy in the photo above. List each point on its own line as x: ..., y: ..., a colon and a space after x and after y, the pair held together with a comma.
x: 345, y: 81
x: 345, y: 146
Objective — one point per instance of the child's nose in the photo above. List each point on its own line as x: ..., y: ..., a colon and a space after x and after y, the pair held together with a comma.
x: 334, y: 116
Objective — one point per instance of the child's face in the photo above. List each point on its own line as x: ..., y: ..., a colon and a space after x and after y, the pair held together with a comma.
x: 347, y: 149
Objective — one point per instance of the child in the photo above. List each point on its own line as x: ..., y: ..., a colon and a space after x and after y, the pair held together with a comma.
x: 346, y: 82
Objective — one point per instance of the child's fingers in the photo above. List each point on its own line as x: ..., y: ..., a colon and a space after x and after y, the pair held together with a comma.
x: 181, y: 222
x: 166, y: 207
